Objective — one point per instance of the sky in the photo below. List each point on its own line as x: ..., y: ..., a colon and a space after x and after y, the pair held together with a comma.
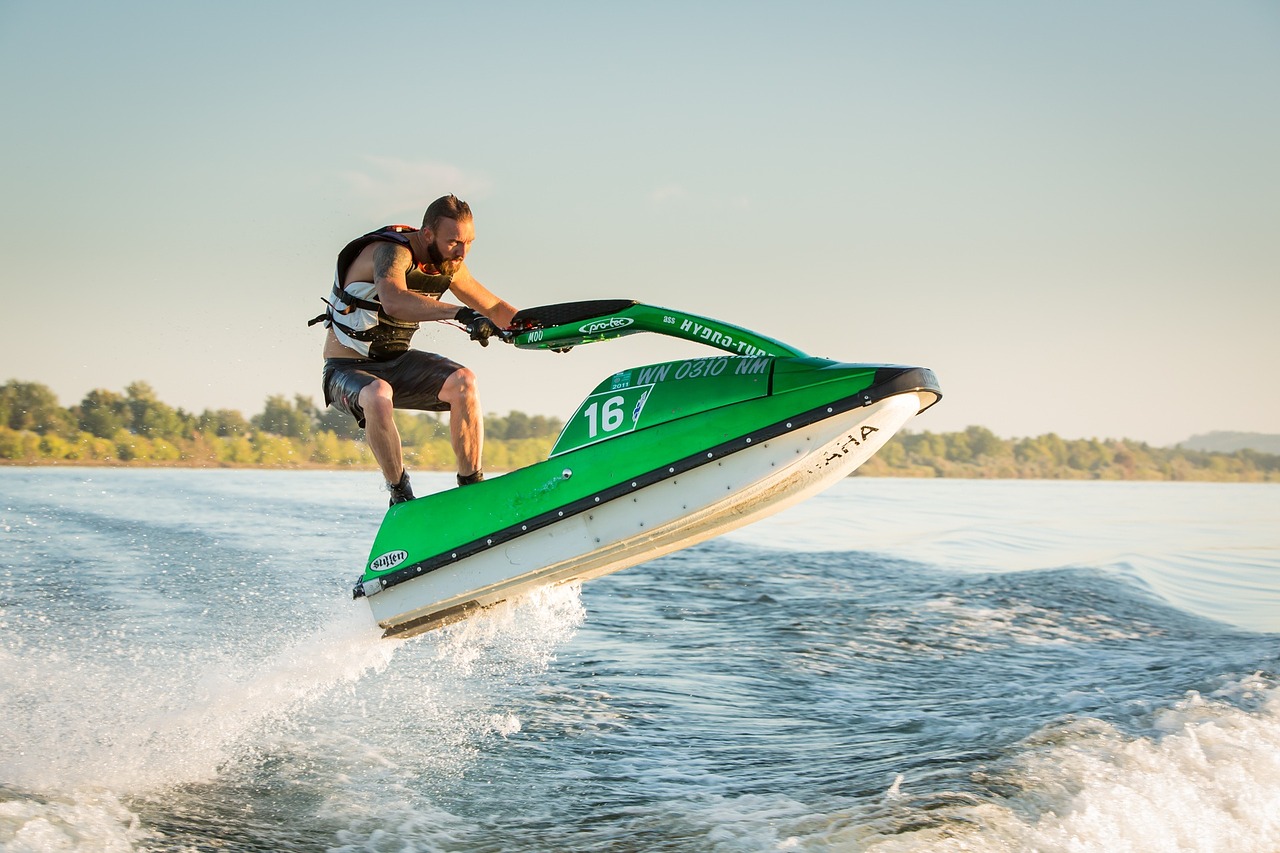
x: 1069, y: 211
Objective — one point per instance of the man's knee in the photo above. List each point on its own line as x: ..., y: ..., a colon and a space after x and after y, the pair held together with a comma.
x: 460, y: 386
x: 376, y: 400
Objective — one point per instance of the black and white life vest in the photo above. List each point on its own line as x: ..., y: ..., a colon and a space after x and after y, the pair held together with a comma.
x: 355, y: 314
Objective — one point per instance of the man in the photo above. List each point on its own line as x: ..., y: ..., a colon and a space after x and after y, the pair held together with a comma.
x: 387, y: 282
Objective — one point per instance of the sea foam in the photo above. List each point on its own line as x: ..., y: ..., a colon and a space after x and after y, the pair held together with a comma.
x: 1205, y: 777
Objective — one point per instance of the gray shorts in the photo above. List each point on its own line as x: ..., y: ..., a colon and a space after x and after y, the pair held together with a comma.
x: 415, y: 379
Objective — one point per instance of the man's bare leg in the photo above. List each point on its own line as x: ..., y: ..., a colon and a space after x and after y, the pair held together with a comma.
x: 380, y: 429
x: 466, y: 420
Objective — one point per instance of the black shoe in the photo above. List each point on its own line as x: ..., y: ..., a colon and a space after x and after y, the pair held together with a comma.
x: 400, y: 491
x: 470, y: 479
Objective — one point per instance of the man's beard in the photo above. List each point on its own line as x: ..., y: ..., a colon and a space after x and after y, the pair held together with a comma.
x: 448, y: 267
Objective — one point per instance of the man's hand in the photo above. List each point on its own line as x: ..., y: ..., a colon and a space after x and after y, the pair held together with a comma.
x: 480, y: 327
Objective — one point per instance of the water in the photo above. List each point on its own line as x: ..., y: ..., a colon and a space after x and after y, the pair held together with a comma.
x: 892, y: 666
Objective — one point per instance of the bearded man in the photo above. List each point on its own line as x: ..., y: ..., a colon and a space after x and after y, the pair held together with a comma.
x: 387, y: 282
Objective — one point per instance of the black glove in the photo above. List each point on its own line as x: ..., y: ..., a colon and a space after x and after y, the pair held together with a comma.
x: 480, y: 327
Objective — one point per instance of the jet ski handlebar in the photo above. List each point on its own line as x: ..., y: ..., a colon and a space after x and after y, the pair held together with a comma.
x: 569, y: 324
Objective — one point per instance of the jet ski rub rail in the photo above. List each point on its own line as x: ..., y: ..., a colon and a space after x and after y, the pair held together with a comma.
x: 889, y: 382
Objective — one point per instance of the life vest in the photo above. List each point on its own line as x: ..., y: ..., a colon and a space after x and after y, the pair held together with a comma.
x: 355, y: 314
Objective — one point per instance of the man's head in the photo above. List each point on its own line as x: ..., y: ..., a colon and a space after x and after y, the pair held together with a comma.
x: 449, y: 230
x: 445, y: 207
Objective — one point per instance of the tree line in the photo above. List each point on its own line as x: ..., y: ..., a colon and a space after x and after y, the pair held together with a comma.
x: 135, y: 427
x: 978, y: 453
x: 107, y: 427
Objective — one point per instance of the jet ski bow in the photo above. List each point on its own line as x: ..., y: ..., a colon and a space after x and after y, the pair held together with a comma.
x: 655, y: 459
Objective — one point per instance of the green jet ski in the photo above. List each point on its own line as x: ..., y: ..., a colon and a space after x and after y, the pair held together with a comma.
x: 655, y: 459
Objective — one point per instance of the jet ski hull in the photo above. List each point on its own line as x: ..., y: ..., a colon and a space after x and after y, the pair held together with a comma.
x: 675, y: 506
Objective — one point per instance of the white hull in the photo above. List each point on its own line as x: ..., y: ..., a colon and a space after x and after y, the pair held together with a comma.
x: 654, y: 520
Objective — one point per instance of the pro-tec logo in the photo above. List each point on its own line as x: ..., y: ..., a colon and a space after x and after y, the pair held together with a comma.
x: 389, y: 560
x: 606, y: 325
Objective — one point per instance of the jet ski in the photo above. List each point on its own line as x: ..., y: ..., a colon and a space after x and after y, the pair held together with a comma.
x: 656, y: 458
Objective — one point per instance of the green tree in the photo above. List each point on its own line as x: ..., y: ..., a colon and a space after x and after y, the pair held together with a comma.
x: 237, y: 449
x: 420, y: 428
x: 280, y: 417
x: 542, y: 426
x: 131, y: 447
x: 984, y: 442
x: 89, y: 446
x: 305, y: 405
x: 338, y: 422
x: 518, y: 425
x: 958, y: 449
x: 32, y: 406
x: 19, y: 445
x: 222, y: 422
x: 104, y: 413
x: 53, y: 446
x: 152, y: 418
x: 275, y: 450
x: 164, y: 451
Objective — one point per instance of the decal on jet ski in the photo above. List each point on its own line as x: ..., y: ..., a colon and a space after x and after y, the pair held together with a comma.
x: 606, y: 414
x: 694, y: 369
x: 389, y: 560
x: 850, y: 441
x: 701, y: 367
x: 608, y: 325
x: 635, y: 413
x: 719, y: 339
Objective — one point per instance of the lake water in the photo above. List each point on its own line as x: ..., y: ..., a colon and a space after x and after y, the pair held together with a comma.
x: 893, y: 666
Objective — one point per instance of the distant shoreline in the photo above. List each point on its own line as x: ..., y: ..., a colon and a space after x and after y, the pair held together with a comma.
x: 875, y: 472
x: 137, y: 430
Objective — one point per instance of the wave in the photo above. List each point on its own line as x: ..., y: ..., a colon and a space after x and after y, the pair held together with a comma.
x: 106, y: 747
x: 1206, y: 777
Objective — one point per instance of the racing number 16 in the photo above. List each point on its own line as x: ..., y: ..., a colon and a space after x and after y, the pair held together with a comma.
x: 607, y: 417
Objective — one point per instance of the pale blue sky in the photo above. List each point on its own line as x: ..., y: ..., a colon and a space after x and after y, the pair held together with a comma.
x: 1070, y: 211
